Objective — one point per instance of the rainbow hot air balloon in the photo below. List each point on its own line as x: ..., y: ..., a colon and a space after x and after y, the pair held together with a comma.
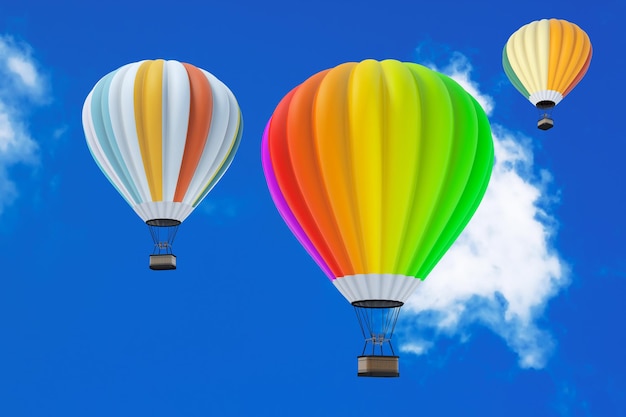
x: 163, y: 133
x: 377, y: 167
x: 545, y: 60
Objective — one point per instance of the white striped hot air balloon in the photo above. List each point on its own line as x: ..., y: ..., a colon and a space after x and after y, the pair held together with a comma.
x: 163, y: 133
x: 545, y: 60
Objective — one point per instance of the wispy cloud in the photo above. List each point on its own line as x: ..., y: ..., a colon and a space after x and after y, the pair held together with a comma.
x: 503, y: 269
x: 22, y: 87
x: 220, y: 209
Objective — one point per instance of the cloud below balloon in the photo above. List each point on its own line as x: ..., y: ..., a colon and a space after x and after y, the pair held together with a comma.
x: 503, y: 269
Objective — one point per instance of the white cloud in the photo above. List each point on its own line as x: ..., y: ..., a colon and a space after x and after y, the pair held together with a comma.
x: 21, y: 88
x: 24, y: 69
x: 502, y: 270
x: 459, y: 68
x: 20, y: 77
x: 220, y: 209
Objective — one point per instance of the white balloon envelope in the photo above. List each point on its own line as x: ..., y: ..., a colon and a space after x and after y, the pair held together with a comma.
x: 163, y: 133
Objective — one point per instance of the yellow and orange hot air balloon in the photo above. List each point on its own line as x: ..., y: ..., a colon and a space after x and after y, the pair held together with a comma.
x: 544, y: 60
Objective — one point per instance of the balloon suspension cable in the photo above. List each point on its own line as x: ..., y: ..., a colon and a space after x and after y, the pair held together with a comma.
x: 377, y: 325
x: 163, y: 233
x: 545, y: 121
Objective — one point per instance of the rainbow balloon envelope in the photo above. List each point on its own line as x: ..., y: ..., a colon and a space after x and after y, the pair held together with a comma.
x: 377, y: 167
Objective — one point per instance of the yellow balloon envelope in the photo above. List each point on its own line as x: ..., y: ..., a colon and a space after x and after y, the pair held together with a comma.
x: 546, y: 59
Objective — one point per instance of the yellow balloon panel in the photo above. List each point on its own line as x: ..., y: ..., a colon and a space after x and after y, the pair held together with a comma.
x: 545, y: 59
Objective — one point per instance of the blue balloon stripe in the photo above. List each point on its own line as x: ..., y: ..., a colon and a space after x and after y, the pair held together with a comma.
x: 106, y: 137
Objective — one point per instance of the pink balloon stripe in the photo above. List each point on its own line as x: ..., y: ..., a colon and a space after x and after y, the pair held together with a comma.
x: 283, y: 208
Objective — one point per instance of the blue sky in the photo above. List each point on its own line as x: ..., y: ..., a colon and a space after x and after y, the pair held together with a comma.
x: 522, y: 317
